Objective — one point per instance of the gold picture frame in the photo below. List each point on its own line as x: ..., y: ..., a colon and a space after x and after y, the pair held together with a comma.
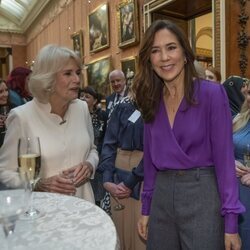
x: 98, y: 24
x: 128, y: 23
x: 77, y: 38
x: 97, y: 75
x: 129, y: 68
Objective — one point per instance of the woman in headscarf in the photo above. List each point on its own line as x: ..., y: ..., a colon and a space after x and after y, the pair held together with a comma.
x: 235, y: 87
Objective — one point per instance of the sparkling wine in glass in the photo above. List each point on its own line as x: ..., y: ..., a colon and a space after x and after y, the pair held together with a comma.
x: 13, y: 203
x: 247, y: 156
x: 29, y: 163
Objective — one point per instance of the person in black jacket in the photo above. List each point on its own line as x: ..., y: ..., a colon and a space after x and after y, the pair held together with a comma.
x: 122, y: 166
x: 99, y: 121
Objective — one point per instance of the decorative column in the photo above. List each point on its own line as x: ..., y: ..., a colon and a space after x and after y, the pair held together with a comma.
x: 243, y: 38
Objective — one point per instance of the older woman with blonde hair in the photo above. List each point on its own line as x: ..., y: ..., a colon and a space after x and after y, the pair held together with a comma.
x: 60, y: 120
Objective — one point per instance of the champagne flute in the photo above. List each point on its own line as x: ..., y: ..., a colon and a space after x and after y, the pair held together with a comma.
x: 29, y: 163
x: 13, y: 203
x: 247, y: 156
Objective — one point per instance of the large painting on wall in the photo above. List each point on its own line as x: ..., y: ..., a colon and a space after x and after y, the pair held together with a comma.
x: 98, y: 23
x: 77, y: 39
x: 97, y: 72
x: 128, y: 23
x: 129, y: 68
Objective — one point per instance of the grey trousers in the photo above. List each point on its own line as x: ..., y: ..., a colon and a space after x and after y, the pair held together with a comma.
x: 185, y: 211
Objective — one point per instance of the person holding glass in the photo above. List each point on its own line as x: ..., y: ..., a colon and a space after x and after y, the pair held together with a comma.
x: 241, y: 139
x: 60, y: 120
x: 122, y: 168
x: 99, y: 122
x: 190, y: 192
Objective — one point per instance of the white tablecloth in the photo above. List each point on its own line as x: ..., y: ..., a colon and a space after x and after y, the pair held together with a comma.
x: 68, y: 223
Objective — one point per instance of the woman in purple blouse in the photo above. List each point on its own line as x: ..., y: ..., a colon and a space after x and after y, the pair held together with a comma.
x: 190, y: 194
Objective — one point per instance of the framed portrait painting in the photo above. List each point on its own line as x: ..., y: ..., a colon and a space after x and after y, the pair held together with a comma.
x: 98, y: 24
x: 77, y: 39
x: 129, y: 68
x: 97, y: 74
x: 128, y: 23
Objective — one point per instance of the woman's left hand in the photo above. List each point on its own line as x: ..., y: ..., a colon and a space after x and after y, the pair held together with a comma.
x: 232, y: 242
x: 79, y: 173
x: 245, y: 179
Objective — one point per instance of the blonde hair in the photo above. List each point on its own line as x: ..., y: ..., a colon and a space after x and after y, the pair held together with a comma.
x: 242, y: 118
x: 50, y: 60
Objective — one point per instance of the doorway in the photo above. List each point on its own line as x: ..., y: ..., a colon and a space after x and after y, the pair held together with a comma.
x: 4, y: 62
x: 194, y: 17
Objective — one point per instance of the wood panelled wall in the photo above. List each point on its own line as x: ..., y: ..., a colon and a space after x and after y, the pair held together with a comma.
x: 52, y: 26
x: 232, y: 29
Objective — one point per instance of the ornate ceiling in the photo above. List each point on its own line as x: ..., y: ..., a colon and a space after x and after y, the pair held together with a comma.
x: 17, y: 15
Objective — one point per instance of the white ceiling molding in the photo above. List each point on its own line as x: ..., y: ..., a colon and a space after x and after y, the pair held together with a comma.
x: 17, y: 15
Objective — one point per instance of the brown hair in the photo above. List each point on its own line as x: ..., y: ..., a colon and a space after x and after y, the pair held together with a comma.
x: 148, y: 85
x: 215, y: 72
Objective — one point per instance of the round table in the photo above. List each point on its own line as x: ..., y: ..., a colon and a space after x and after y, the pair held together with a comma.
x: 68, y: 223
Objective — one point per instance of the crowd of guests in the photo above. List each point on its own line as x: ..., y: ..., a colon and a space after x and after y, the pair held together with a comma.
x: 164, y: 187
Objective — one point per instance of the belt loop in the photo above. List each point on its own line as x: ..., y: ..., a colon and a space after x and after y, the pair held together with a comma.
x: 198, y: 174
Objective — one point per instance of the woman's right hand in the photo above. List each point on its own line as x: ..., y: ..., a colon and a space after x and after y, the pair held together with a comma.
x: 142, y: 226
x: 56, y: 184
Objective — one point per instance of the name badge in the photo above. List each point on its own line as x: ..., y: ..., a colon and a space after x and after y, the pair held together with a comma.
x: 134, y: 117
x: 110, y: 105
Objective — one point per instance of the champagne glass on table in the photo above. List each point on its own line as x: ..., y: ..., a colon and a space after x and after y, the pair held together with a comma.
x: 29, y: 163
x: 13, y: 202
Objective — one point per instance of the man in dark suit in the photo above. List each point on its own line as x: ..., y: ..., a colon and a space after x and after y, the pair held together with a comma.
x: 118, y: 83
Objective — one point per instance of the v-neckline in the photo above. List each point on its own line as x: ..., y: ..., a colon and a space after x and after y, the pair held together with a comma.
x: 172, y: 121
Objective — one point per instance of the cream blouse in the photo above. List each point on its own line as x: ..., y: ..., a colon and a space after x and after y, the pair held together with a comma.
x: 63, y: 145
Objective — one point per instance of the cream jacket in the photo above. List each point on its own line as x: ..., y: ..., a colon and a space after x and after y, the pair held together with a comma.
x: 62, y: 145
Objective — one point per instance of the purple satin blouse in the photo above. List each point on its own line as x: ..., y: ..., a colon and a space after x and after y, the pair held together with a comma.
x: 201, y: 136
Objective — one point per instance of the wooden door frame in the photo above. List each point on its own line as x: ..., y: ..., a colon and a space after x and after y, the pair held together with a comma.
x: 218, y: 13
